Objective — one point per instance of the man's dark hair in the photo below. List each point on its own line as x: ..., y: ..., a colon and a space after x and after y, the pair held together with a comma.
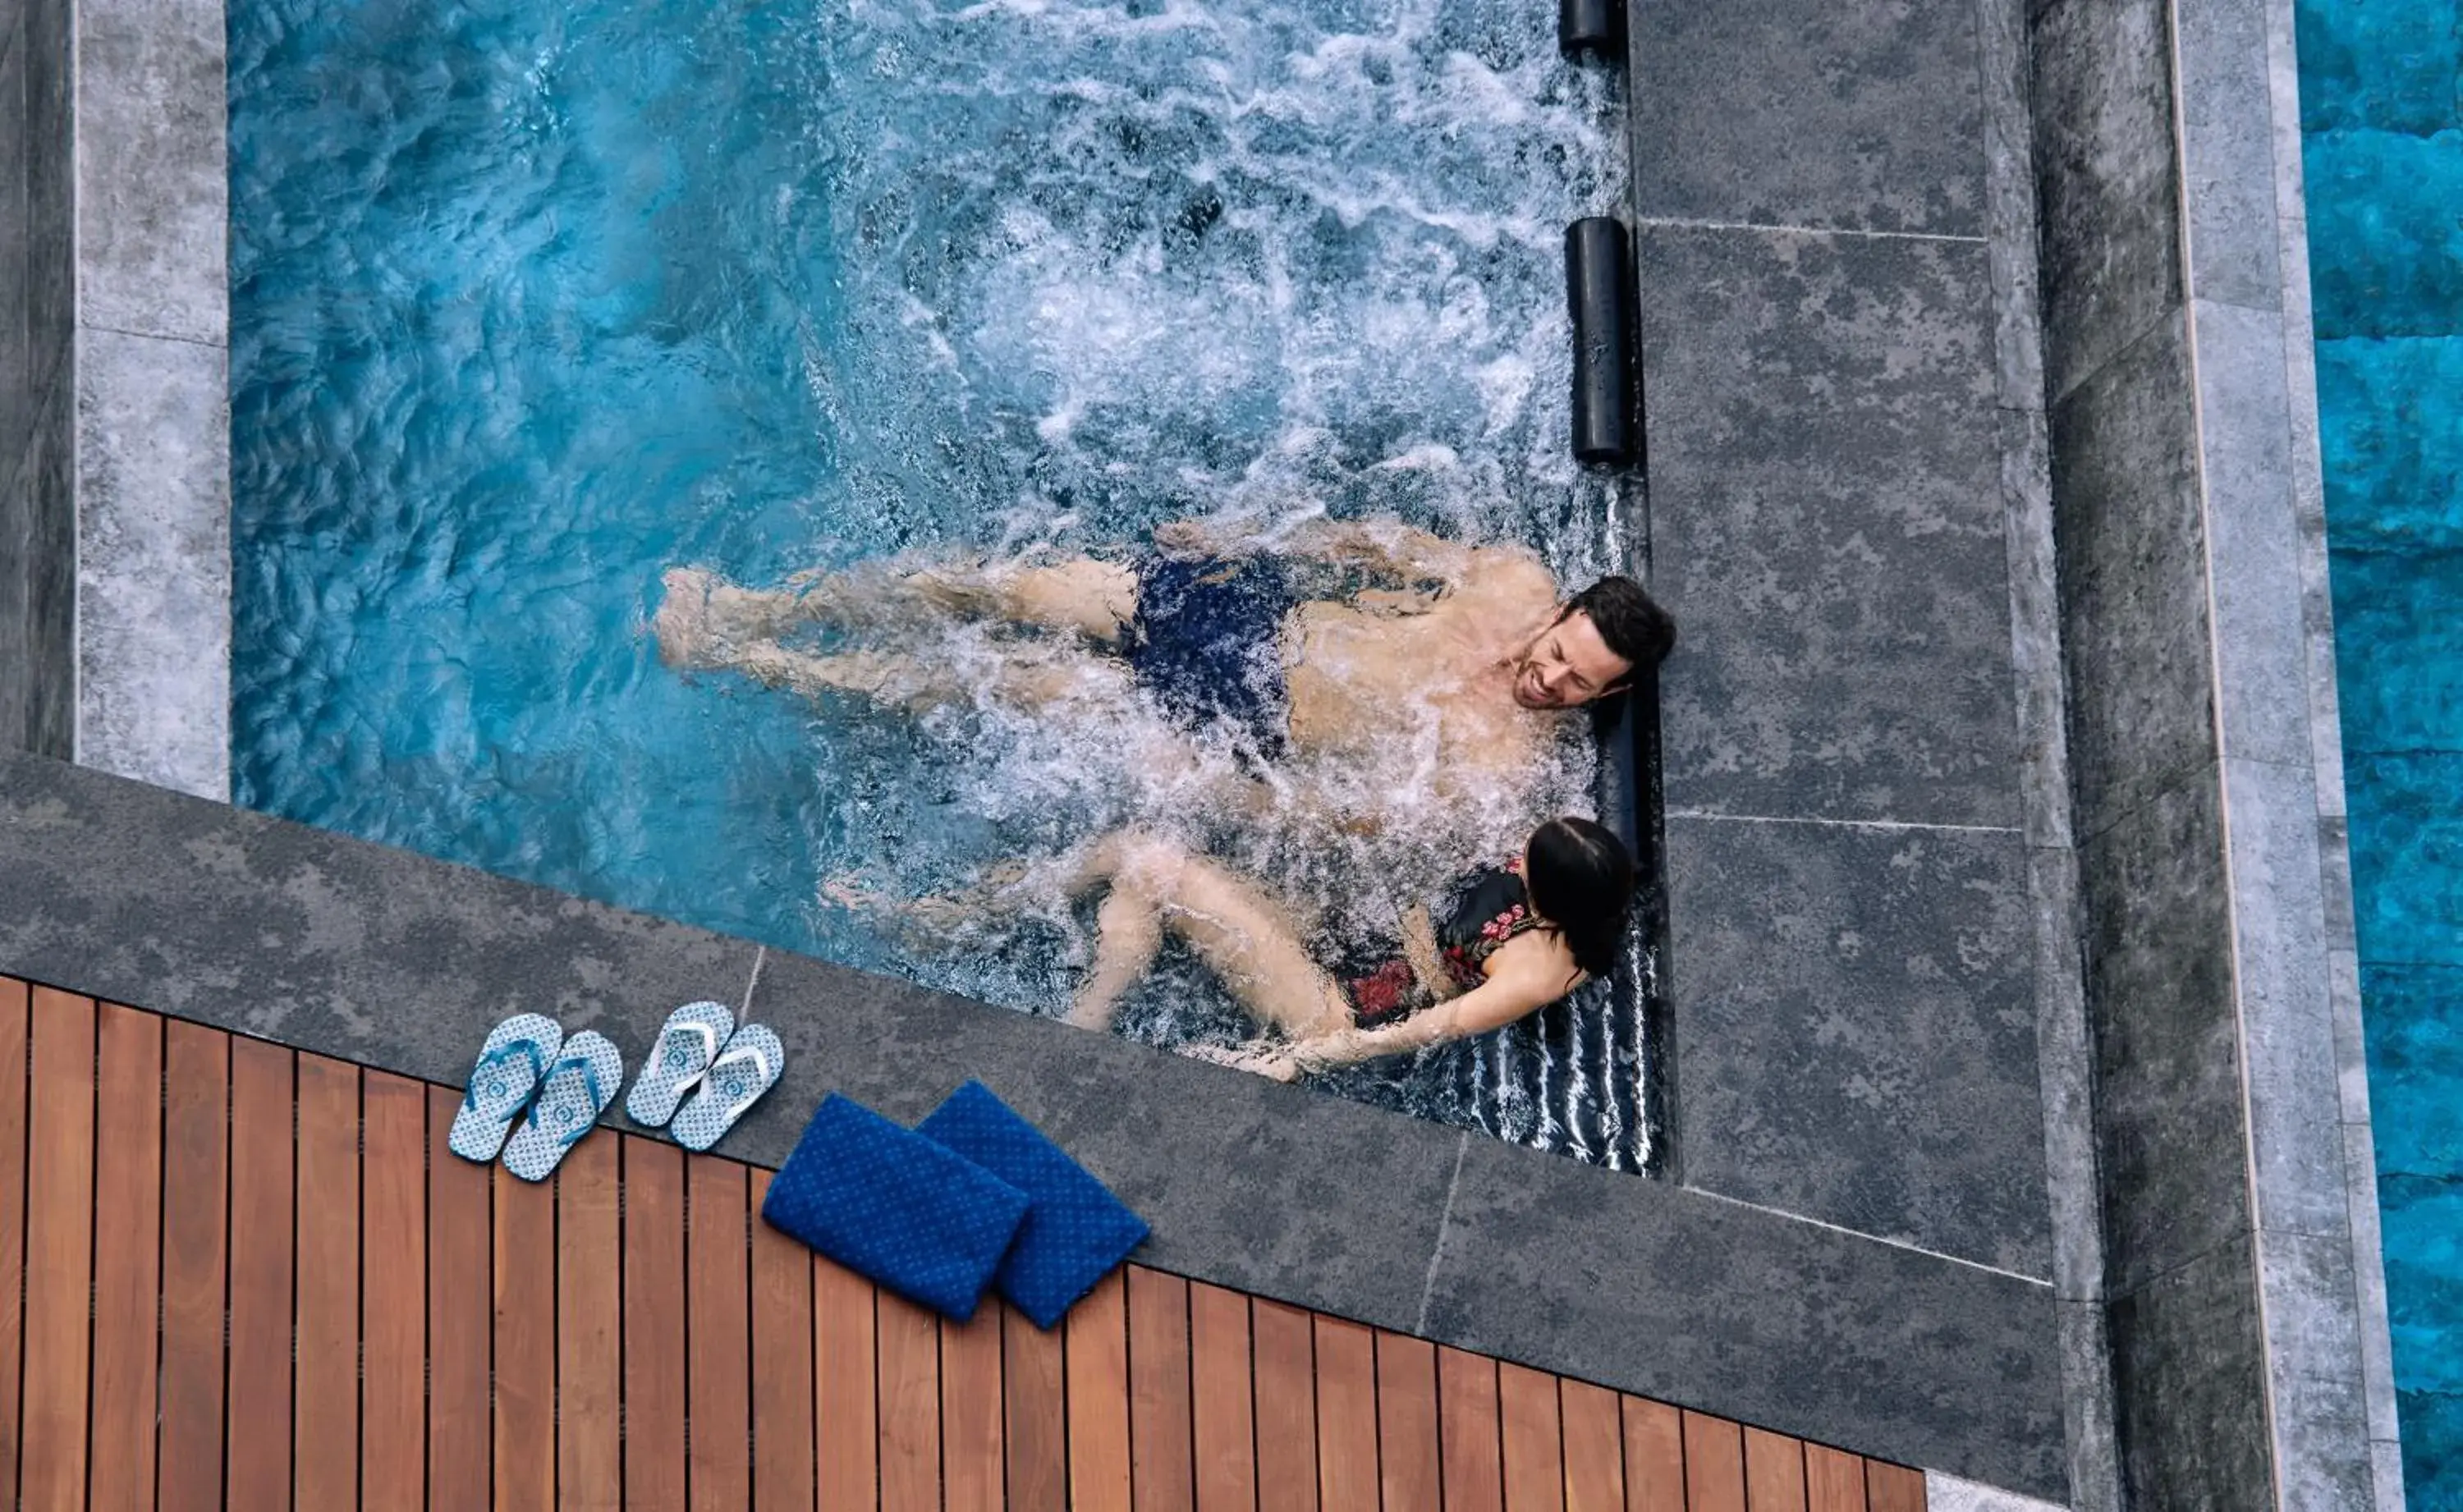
x: 1632, y: 625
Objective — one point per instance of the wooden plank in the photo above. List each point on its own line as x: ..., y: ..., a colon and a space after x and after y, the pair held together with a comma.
x: 127, y: 1253
x: 1594, y: 1440
x: 1834, y: 1480
x: 782, y: 1365
x: 1347, y: 1414
x: 1893, y: 1488
x: 60, y: 1254
x: 1035, y: 1419
x: 1654, y: 1457
x: 1534, y: 1467
x: 14, y: 1000
x: 718, y: 1312
x: 1096, y: 1361
x: 393, y: 1292
x: 461, y: 1427
x: 589, y: 1330
x: 523, y: 1256
x: 654, y: 1324
x: 257, y: 1454
x: 1774, y: 1472
x: 971, y: 1412
x: 1469, y: 1432
x: 1714, y: 1464
x: 1222, y: 1401
x: 845, y: 1431
x: 325, y: 1395
x: 1285, y: 1362
x: 196, y: 1195
x: 1409, y: 1473
x: 908, y: 1345
x: 1162, y: 1456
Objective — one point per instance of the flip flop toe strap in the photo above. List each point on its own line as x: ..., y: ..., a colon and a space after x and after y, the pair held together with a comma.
x: 760, y: 1082
x: 597, y: 1100
x: 499, y: 1099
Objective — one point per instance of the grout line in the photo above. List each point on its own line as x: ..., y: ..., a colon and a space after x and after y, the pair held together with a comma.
x: 1875, y: 1239
x: 1689, y: 224
x: 751, y: 983
x: 1847, y: 824
x: 153, y: 335
x: 1437, y: 1251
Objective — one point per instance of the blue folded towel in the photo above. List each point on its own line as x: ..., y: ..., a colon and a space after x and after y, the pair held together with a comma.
x: 1077, y: 1230
x: 895, y: 1207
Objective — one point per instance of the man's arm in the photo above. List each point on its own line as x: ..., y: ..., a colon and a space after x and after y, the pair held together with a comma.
x: 1388, y: 547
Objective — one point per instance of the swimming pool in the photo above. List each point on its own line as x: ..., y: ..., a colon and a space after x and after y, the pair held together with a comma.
x: 533, y: 302
x: 2382, y: 114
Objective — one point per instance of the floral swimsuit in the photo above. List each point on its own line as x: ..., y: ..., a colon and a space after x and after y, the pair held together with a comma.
x: 1487, y: 909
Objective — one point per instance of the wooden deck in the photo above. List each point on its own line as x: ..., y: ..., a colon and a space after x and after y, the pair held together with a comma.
x: 255, y: 1281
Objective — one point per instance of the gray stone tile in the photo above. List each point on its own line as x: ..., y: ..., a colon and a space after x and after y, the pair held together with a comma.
x: 2064, y: 1068
x: 2385, y: 1463
x: 1678, y: 1296
x: 1854, y: 1023
x: 2228, y: 146
x: 2351, y: 1043
x: 153, y: 561
x: 152, y: 197
x: 2321, y: 1441
x: 1827, y: 526
x: 2189, y: 1371
x: 2168, y: 1112
x: 2009, y: 201
x: 130, y: 891
x: 48, y: 477
x: 2253, y: 533
x: 1796, y: 113
x: 51, y: 284
x: 1950, y: 1494
x: 2286, y: 1012
x: 2133, y: 579
x: 2087, y: 1408
x: 16, y: 371
x: 1279, y: 1190
x: 2368, y: 1282
x: 2107, y: 188
x: 2035, y: 628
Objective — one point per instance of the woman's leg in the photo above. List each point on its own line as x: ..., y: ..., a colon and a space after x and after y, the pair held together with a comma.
x: 1244, y: 936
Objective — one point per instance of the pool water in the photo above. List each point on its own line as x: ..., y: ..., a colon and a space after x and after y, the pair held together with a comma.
x: 535, y: 299
x: 2381, y: 114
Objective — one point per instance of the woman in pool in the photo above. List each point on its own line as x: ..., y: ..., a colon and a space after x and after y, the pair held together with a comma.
x: 1506, y: 940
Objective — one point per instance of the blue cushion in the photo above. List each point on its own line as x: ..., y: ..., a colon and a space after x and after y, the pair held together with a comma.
x: 1076, y: 1232
x: 897, y: 1207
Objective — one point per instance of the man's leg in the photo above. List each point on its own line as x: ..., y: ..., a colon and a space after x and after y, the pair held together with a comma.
x: 1034, y: 678
x: 704, y: 612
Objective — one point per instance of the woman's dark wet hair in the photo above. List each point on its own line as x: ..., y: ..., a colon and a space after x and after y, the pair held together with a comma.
x: 1579, y: 878
x: 1627, y: 618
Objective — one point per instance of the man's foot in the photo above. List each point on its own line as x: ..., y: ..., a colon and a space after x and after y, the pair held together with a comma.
x: 682, y: 625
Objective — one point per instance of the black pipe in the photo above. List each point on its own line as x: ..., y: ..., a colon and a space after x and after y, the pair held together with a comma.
x: 1598, y: 291
x: 1595, y: 26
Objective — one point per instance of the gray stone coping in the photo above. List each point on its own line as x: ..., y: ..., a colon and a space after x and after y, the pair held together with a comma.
x: 138, y: 895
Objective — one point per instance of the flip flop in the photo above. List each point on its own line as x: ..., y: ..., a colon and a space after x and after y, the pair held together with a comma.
x: 577, y: 1088
x: 735, y: 1081
x: 512, y: 1064
x: 678, y: 1058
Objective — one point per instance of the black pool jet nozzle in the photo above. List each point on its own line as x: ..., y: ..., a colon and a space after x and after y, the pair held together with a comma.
x: 1593, y: 28
x: 1600, y: 294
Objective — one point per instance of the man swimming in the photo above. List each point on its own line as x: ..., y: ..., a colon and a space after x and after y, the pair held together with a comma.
x: 1453, y: 672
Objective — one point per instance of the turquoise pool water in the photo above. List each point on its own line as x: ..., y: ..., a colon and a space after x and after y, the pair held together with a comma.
x: 535, y: 299
x: 2382, y: 114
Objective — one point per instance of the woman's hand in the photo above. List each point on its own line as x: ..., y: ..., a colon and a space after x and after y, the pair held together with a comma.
x: 1258, y: 1059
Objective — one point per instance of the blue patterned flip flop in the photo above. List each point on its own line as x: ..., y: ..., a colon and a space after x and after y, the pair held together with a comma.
x: 512, y: 1064
x: 687, y: 1044
x: 578, y: 1088
x: 735, y: 1081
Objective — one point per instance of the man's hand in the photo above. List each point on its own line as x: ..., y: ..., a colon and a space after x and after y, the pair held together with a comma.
x: 1257, y: 1059
x: 1191, y: 539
